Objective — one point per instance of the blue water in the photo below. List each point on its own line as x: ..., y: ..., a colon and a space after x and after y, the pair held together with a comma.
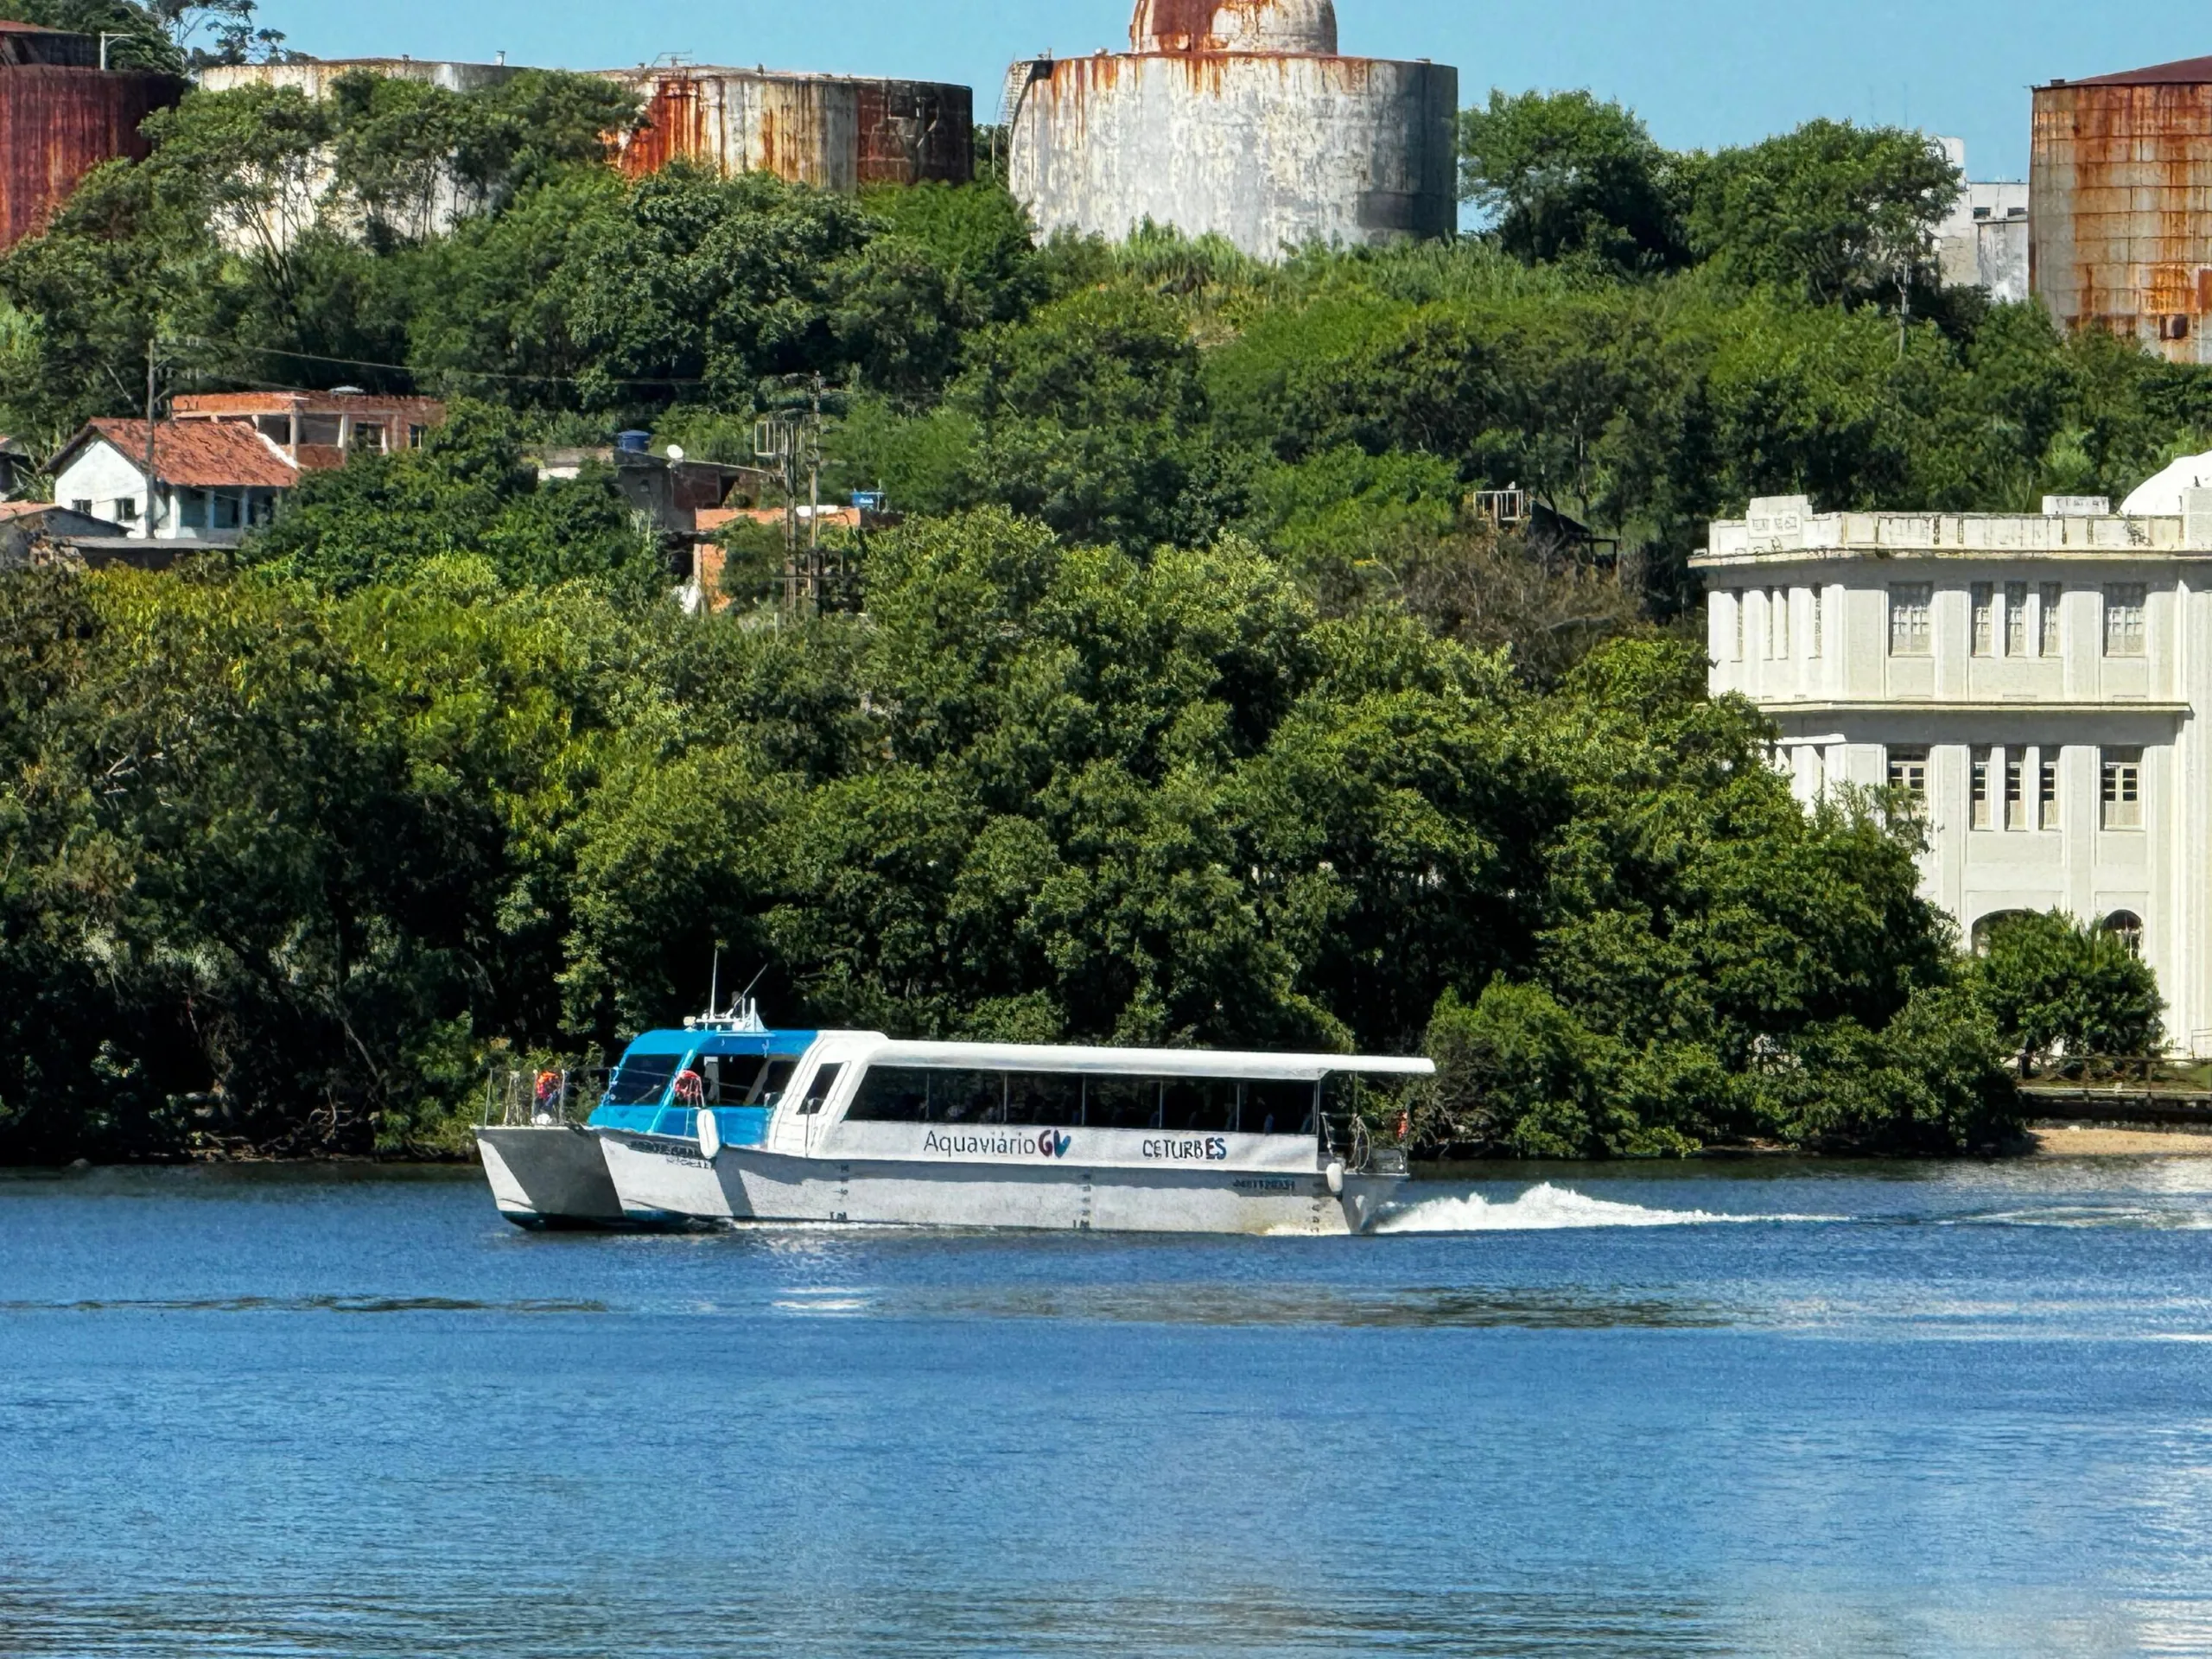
x: 1924, y: 1410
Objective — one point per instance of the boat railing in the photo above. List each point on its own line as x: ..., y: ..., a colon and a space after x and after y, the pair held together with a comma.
x: 1345, y: 1136
x: 541, y: 1096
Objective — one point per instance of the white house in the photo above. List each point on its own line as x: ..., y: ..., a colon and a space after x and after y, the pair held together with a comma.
x: 2038, y: 681
x: 211, y: 481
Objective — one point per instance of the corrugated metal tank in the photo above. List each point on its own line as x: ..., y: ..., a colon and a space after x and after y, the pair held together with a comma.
x: 2120, y: 207
x: 316, y: 78
x: 61, y: 117
x: 1237, y: 119
x: 835, y: 132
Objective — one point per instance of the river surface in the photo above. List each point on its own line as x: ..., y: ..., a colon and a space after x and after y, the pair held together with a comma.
x: 1792, y: 1409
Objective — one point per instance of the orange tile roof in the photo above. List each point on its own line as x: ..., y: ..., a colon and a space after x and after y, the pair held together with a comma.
x: 198, y: 455
x: 313, y: 403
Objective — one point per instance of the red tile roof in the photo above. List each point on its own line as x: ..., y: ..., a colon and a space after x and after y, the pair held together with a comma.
x: 431, y: 410
x: 2189, y: 72
x: 198, y: 455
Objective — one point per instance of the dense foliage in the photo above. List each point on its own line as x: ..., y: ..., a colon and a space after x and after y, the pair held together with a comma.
x: 2055, y: 986
x: 283, y: 860
x: 1197, y: 700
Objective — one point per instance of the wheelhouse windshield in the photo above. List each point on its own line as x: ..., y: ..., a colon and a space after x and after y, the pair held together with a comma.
x: 641, y: 1079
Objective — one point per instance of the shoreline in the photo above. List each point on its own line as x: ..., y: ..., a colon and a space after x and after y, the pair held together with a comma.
x: 2047, y: 1138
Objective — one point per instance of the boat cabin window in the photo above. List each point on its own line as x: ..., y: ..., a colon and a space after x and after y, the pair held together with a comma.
x: 1278, y: 1109
x: 896, y: 1093
x: 825, y: 1079
x: 1121, y: 1103
x: 641, y: 1079
x: 746, y: 1079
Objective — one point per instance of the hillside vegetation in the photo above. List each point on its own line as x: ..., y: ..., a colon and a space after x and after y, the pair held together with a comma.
x: 1195, y: 701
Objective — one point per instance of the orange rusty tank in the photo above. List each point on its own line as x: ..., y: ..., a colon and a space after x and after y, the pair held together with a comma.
x: 2120, y: 205
x: 836, y: 131
x: 61, y: 117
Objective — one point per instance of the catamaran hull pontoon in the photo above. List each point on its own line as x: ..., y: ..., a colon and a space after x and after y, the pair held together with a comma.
x: 551, y: 1175
x: 655, y: 1177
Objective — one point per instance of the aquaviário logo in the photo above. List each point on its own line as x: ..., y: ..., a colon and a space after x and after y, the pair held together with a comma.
x: 999, y: 1143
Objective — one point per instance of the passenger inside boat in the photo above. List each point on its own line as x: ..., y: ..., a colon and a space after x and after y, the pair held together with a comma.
x: 896, y: 1093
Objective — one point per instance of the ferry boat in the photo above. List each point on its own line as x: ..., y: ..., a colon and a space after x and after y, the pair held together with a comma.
x: 548, y: 1171
x: 974, y: 1134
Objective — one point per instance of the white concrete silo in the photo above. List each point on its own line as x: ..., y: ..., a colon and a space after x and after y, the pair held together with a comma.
x: 1237, y: 119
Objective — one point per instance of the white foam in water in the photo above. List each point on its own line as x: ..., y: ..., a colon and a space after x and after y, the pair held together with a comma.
x: 1544, y: 1209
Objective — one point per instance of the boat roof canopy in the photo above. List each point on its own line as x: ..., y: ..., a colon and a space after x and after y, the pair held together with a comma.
x: 789, y: 1043
x: 879, y: 1049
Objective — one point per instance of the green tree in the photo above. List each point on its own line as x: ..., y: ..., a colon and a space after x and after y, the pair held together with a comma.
x: 2054, y: 986
x: 1563, y: 175
x: 1842, y: 214
x: 470, y: 489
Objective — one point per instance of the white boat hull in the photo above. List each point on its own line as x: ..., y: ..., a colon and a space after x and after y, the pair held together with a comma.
x: 655, y: 1176
x: 551, y: 1176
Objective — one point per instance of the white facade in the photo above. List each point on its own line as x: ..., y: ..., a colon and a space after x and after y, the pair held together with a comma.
x: 1984, y: 242
x: 2037, y: 679
x: 103, y: 482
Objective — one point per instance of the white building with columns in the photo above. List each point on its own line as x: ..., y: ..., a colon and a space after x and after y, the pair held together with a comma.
x: 2038, y: 681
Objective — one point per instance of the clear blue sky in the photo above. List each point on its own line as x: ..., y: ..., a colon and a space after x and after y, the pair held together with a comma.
x: 1702, y: 72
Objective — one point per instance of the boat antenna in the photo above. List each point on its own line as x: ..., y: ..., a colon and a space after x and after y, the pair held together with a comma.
x: 714, y: 984
x: 746, y: 995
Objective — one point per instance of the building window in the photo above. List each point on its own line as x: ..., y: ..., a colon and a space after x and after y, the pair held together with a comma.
x: 1909, y: 770
x: 1777, y: 624
x: 1980, y: 819
x: 2016, y: 790
x: 192, y: 509
x: 2015, y: 618
x: 85, y: 507
x: 2127, y: 926
x: 368, y: 435
x: 2124, y: 619
x: 2123, y: 789
x: 1820, y: 623
x: 126, y: 511
x: 2047, y: 788
x: 320, y: 430
x: 416, y: 436
x: 260, y: 507
x: 225, y: 513
x: 278, y: 428
x: 1737, y: 602
x: 1909, y: 604
x: 2047, y: 618
x: 1984, y: 619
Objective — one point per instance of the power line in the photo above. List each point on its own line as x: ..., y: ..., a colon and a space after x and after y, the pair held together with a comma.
x: 481, y: 374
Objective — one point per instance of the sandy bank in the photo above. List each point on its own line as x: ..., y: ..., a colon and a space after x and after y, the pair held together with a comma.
x: 2102, y: 1141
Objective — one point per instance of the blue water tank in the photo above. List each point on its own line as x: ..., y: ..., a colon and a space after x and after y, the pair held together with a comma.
x: 634, y: 443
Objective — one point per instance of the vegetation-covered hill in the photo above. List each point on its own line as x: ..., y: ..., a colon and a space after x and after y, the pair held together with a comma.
x: 1194, y: 702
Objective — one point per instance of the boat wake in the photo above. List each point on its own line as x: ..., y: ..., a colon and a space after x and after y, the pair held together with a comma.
x: 1549, y: 1209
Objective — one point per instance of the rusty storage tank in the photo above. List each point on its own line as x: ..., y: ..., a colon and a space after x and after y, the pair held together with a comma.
x: 317, y: 76
x: 837, y: 131
x: 62, y: 115
x: 2120, y: 205
x: 1237, y: 118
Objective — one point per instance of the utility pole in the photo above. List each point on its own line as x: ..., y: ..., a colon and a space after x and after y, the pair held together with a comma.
x: 793, y: 439
x: 153, y: 408
x: 814, y: 495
